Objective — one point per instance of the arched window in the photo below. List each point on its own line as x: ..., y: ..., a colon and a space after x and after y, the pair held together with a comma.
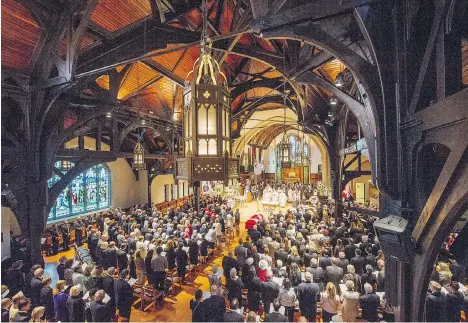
x: 306, y: 150
x: 89, y: 191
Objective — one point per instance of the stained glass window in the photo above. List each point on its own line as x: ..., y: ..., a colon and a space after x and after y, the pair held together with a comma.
x: 89, y: 191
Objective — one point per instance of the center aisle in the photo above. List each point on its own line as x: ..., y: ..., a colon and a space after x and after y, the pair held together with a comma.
x: 177, y: 308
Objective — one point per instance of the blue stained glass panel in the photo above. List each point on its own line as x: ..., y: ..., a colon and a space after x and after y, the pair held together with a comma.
x: 89, y: 191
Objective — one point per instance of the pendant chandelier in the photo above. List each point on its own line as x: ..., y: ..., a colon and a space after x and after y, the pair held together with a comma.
x: 284, y: 146
x: 138, y: 157
x: 138, y: 151
x: 206, y: 121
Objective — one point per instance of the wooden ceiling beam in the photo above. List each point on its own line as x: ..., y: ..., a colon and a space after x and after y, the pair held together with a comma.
x: 219, y: 14
x: 164, y: 71
x: 313, y: 11
x: 134, y: 43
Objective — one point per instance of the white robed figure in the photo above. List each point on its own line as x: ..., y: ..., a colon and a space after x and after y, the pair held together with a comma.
x: 267, y: 194
x: 282, y: 198
x: 291, y: 195
x: 274, y: 197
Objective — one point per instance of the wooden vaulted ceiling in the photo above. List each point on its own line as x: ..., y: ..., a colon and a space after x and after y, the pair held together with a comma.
x: 144, y: 87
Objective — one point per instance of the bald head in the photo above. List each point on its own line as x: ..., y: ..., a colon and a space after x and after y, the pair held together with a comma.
x: 99, y: 296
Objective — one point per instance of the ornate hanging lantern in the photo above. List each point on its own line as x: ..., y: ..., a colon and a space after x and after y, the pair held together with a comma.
x: 138, y: 157
x: 206, y: 122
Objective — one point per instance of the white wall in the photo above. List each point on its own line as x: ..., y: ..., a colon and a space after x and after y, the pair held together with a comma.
x: 9, y: 223
x: 157, y: 188
x: 315, y: 157
x: 126, y: 191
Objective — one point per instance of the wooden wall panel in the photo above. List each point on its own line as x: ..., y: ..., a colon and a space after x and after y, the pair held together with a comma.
x: 20, y: 35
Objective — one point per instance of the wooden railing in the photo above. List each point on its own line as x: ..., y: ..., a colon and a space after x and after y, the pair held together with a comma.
x: 165, y: 206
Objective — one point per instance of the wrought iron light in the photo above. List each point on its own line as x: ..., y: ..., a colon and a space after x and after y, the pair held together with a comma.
x: 138, y: 157
x: 206, y: 122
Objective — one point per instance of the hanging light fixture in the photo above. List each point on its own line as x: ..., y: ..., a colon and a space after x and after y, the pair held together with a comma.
x: 109, y: 115
x: 285, y: 145
x: 333, y: 100
x: 138, y: 157
x: 138, y: 151
x: 66, y: 165
x: 206, y: 120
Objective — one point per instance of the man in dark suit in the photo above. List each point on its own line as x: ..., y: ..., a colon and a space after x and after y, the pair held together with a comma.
x: 92, y: 244
x: 232, y: 315
x: 65, y: 228
x: 343, y: 262
x: 255, y: 234
x: 276, y: 316
x: 318, y: 274
x: 458, y: 270
x: 307, y: 293
x: 334, y: 274
x: 108, y: 287
x: 350, y: 249
x: 111, y: 255
x: 78, y: 226
x: 36, y: 287
x: 325, y: 261
x: 123, y: 295
x: 436, y: 304
x: 369, y: 303
x: 370, y: 258
x: 99, y: 310
x: 281, y: 254
x: 358, y: 262
x: 241, y: 254
x: 228, y: 263
x: 215, y: 306
x: 61, y: 268
x: 270, y: 291
x: 122, y: 258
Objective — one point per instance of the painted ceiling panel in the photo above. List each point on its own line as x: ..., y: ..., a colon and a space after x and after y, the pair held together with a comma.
x: 114, y: 15
x: 20, y: 35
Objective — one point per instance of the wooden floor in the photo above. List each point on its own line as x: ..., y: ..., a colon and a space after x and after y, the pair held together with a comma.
x: 176, y: 307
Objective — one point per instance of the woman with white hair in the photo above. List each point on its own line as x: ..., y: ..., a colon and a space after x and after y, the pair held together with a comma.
x: 352, y: 276
x: 215, y: 277
x: 234, y: 286
x: 350, y: 300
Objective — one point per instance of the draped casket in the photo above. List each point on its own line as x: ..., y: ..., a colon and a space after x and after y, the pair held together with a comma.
x: 254, y: 220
